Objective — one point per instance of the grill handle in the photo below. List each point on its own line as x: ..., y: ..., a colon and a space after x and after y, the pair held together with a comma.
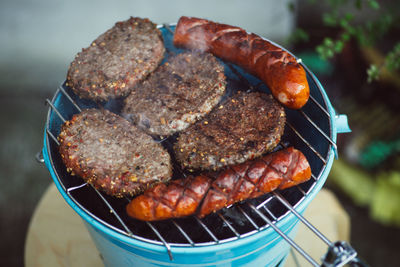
x: 342, y: 125
x: 341, y: 253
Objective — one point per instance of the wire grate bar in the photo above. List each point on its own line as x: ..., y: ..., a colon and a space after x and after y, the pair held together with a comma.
x: 88, y: 212
x: 301, y: 190
x: 183, y: 233
x: 319, y: 88
x: 308, y: 189
x: 76, y: 187
x: 319, y: 105
x: 161, y: 140
x: 166, y: 244
x: 168, y: 28
x: 313, y: 176
x: 113, y: 211
x: 318, y: 129
x: 249, y: 218
x: 302, y: 219
x: 306, y: 142
x: 264, y: 202
x: 229, y: 225
x: 270, y: 214
x: 284, y: 236
x: 207, y: 230
x: 70, y: 99
x: 55, y: 110
x: 52, y: 136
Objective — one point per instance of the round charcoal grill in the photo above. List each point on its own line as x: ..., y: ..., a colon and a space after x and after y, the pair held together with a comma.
x: 257, y: 231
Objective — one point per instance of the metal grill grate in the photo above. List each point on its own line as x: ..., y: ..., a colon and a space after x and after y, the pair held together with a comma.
x: 230, y: 224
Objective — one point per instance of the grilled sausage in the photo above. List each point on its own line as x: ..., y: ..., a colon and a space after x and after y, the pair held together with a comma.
x: 204, y: 194
x: 282, y: 73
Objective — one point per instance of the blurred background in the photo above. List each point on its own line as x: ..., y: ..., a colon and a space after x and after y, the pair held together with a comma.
x: 352, y: 47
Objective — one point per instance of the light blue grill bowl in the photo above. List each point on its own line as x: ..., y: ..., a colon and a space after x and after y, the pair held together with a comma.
x: 313, y: 130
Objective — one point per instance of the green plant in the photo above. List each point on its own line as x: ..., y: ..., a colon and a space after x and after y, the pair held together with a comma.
x: 380, y: 194
x: 367, y: 33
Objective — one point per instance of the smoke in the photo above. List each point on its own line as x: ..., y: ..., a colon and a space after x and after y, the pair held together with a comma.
x: 199, y: 41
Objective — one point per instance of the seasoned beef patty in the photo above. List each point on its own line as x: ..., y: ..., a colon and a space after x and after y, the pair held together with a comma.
x: 110, y: 153
x: 177, y: 94
x: 117, y: 60
x: 243, y: 127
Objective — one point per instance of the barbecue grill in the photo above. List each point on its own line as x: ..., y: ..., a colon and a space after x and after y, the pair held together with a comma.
x: 257, y: 232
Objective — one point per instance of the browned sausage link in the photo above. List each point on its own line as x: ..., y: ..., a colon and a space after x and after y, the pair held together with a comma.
x: 278, y: 69
x: 201, y: 195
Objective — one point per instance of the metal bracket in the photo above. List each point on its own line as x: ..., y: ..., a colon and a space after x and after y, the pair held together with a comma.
x: 39, y: 156
x: 339, y: 254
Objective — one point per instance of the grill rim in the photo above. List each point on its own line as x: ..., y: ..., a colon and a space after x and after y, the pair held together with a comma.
x: 119, y: 235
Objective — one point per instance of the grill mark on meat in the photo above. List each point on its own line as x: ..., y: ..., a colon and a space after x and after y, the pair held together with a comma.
x: 110, y: 153
x: 117, y: 60
x: 177, y: 94
x: 243, y: 127
x: 214, y: 191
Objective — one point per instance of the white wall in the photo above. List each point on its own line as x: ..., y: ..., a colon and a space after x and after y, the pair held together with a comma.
x: 40, y: 38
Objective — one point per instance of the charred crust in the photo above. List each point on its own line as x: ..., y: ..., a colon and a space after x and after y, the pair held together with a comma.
x: 117, y: 60
x: 246, y: 126
x: 177, y: 94
x: 106, y: 150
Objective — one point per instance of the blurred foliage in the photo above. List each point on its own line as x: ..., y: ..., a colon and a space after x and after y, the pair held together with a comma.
x: 381, y: 194
x: 367, y: 32
x: 385, y: 204
x: 377, y: 152
x: 356, y: 182
x: 359, y: 39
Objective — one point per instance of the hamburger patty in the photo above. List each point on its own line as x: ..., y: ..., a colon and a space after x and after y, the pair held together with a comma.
x: 110, y: 153
x: 243, y: 127
x: 177, y: 94
x: 117, y: 60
